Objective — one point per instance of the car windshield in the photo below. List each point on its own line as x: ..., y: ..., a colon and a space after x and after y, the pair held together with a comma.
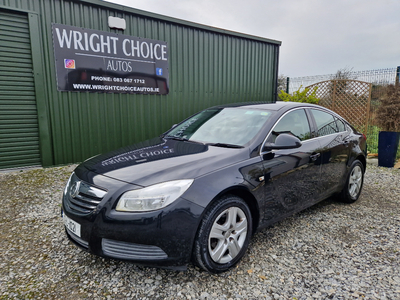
x: 222, y: 126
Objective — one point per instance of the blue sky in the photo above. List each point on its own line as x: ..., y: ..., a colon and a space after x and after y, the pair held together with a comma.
x: 318, y: 36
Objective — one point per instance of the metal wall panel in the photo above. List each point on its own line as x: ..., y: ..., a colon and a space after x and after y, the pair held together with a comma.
x: 19, y: 132
x: 207, y: 67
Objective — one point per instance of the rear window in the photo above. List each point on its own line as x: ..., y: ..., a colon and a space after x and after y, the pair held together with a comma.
x: 340, y: 125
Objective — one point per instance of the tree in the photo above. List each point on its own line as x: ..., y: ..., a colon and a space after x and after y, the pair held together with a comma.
x: 388, y: 112
x: 282, y: 82
x: 342, y: 76
x: 304, y: 96
x: 344, y: 73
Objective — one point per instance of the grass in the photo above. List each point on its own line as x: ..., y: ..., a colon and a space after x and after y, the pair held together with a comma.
x: 372, y: 140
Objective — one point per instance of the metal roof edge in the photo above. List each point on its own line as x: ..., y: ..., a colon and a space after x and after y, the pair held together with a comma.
x: 177, y: 21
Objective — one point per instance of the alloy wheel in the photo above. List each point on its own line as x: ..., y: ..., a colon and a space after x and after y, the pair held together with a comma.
x: 355, y: 181
x: 227, y: 235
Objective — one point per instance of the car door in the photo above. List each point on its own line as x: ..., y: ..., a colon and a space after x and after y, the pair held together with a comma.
x: 291, y: 176
x: 335, y: 149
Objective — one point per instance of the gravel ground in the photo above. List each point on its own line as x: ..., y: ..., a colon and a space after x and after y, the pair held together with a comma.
x: 329, y: 251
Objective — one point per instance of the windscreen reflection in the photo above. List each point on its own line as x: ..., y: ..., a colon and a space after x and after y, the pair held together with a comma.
x: 234, y: 126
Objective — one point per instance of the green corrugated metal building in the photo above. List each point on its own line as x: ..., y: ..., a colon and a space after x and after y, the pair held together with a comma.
x: 50, y: 113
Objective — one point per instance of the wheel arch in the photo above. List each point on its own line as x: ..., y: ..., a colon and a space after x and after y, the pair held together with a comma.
x: 345, y: 194
x: 363, y: 160
x: 357, y: 156
x: 360, y: 157
x: 243, y: 193
x: 217, y: 202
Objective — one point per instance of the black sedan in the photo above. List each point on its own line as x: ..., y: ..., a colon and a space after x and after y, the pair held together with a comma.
x: 200, y: 191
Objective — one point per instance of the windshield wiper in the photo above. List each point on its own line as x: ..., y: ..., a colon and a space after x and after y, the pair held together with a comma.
x: 223, y: 145
x: 178, y: 138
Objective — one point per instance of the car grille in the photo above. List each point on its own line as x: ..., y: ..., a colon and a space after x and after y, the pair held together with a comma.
x: 82, y: 198
x: 124, y: 250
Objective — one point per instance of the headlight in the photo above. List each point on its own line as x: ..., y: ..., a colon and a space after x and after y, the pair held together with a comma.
x: 153, y: 197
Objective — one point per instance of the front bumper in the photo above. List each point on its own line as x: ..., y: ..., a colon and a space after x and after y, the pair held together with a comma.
x: 162, y: 238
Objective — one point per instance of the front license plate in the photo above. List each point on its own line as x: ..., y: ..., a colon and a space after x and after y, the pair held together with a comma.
x: 73, y: 226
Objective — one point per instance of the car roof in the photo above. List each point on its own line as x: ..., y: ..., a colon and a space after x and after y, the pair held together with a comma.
x: 268, y: 106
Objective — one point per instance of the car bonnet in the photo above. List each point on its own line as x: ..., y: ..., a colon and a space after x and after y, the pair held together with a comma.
x: 161, y: 160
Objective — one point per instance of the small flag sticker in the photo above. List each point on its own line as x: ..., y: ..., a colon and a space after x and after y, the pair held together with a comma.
x: 69, y: 63
x: 159, y: 71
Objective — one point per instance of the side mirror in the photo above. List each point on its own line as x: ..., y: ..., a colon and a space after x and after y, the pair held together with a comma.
x: 283, y: 141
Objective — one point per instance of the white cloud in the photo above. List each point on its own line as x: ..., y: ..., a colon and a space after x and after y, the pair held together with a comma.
x: 318, y: 36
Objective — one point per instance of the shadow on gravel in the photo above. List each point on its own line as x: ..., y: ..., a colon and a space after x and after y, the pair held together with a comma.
x: 329, y: 251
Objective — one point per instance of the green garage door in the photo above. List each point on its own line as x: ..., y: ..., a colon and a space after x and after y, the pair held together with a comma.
x: 19, y: 132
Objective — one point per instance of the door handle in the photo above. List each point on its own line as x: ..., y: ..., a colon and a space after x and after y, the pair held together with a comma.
x: 315, y: 156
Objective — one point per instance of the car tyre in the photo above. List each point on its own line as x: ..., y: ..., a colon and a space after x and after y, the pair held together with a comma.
x: 355, y: 179
x: 223, y: 235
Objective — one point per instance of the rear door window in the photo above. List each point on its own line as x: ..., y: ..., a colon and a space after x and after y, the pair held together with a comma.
x: 326, y: 123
